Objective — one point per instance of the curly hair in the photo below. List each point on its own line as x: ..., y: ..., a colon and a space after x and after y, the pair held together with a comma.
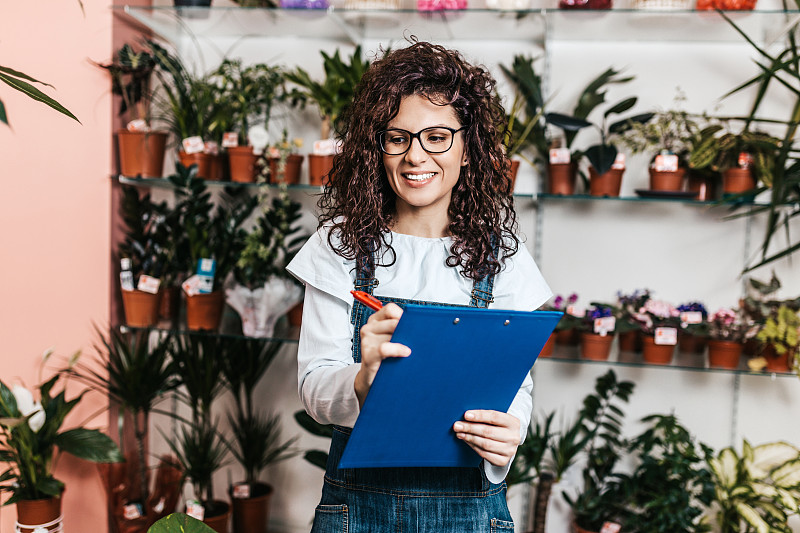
x: 358, y: 201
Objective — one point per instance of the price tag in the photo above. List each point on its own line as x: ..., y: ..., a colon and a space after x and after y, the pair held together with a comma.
x: 126, y: 280
x: 326, y: 147
x: 610, y: 527
x: 604, y: 324
x: 148, y: 284
x: 576, y: 311
x: 242, y: 490
x: 211, y: 148
x: 691, y: 317
x: 666, y: 163
x: 195, y: 509
x: 745, y: 160
x: 619, y: 162
x: 193, y: 145
x: 137, y: 125
x: 559, y: 156
x: 667, y: 336
x: 230, y: 139
x: 191, y: 285
x: 132, y: 511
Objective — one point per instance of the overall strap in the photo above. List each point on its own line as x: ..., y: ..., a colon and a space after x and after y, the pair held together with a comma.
x: 365, y: 274
x: 482, y: 289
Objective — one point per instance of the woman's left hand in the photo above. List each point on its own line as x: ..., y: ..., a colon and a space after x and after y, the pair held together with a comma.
x: 492, y: 434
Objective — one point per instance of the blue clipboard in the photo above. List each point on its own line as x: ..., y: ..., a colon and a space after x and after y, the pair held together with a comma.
x: 461, y: 358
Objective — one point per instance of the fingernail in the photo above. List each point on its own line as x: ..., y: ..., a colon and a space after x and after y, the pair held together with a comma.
x: 458, y: 426
x: 469, y: 415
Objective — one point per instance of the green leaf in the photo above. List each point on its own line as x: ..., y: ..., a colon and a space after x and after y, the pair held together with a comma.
x: 317, y: 458
x: 3, y: 116
x: 621, y: 107
x: 179, y: 523
x: 89, y: 444
x: 36, y: 94
x: 566, y: 122
x: 312, y: 426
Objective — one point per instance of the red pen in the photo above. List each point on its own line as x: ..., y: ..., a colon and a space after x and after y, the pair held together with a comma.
x: 367, y: 299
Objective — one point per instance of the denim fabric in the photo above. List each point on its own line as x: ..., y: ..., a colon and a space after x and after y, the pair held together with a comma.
x: 405, y: 500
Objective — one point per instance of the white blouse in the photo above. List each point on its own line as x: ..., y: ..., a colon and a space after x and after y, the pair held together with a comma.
x: 326, y: 370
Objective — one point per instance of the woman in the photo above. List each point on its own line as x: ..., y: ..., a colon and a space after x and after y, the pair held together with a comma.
x: 418, y: 210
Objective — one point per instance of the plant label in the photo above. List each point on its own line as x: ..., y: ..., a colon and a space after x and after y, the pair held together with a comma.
x: 576, y: 311
x: 610, y: 527
x: 125, y: 263
x: 126, y: 280
x: 137, y: 125
x: 666, y: 163
x: 195, y: 509
x: 230, y: 139
x: 132, y: 511
x: 559, y: 156
x: 604, y: 324
x: 148, y: 284
x: 668, y: 336
x: 192, y: 285
x: 326, y: 147
x: 211, y: 148
x: 619, y: 162
x: 745, y: 160
x: 691, y: 317
x: 206, y: 268
x: 193, y: 145
x: 159, y: 506
x: 241, y: 491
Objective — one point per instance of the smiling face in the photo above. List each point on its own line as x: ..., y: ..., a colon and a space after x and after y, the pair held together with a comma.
x: 422, y: 181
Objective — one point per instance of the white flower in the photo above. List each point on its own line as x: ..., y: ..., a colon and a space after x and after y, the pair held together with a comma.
x: 27, y: 406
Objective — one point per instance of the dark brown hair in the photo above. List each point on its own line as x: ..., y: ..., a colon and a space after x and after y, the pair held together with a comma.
x: 359, y: 203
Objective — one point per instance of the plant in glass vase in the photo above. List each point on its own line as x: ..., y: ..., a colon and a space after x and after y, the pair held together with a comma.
x: 261, y: 290
x: 32, y: 438
x: 659, y: 321
x: 726, y: 331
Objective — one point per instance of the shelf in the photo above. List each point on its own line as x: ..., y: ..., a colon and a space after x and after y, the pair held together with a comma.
x: 530, y: 25
x: 164, y: 183
x: 680, y: 361
x: 639, y: 199
x: 283, y: 333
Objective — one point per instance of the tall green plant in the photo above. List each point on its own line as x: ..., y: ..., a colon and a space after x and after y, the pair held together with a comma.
x: 23, y: 83
x: 526, y: 128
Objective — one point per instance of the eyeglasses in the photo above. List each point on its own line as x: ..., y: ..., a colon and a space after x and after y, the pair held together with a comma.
x: 435, y: 140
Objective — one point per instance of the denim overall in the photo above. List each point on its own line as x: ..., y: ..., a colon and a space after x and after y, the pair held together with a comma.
x: 411, y: 499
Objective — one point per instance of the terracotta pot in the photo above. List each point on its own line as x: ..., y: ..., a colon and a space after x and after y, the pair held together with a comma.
x: 664, y: 180
x: 607, y: 184
x: 170, y: 305
x: 724, y: 354
x: 561, y: 178
x: 656, y: 354
x: 242, y: 162
x: 737, y: 180
x: 630, y: 341
x: 141, y: 308
x: 35, y: 514
x: 568, y: 337
x: 547, y: 349
x: 204, y: 311
x: 209, y: 167
x: 596, y: 347
x: 250, y: 515
x: 217, y: 515
x: 704, y: 186
x: 775, y: 362
x: 295, y: 315
x: 141, y: 153
x: 689, y: 343
x: 291, y: 171
x: 319, y: 167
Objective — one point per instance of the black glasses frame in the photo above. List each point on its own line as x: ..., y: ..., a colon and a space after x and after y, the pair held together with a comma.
x: 380, y: 134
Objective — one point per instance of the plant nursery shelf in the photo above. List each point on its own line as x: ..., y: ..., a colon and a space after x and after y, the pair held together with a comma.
x: 166, y: 184
x: 634, y: 199
x: 287, y: 335
x: 536, y: 24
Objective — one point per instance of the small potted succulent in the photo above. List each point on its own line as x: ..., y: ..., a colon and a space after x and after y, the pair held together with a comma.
x: 659, y: 321
x: 780, y: 337
x: 726, y: 335
x: 597, y: 330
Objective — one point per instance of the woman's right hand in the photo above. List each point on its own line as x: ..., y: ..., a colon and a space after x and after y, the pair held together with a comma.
x: 376, y: 335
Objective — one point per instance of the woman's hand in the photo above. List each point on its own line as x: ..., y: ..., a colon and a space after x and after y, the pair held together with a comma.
x: 375, y: 346
x: 492, y: 434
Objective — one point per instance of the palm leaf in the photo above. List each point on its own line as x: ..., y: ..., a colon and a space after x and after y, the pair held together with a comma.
x: 16, y: 80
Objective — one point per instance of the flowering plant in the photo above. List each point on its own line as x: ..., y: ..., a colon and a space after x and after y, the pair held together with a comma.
x: 568, y: 321
x: 727, y: 325
x: 599, y: 310
x: 628, y: 306
x: 657, y: 314
x: 30, y: 432
x: 698, y: 327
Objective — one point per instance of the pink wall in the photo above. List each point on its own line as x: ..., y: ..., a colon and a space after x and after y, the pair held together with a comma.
x: 55, y: 216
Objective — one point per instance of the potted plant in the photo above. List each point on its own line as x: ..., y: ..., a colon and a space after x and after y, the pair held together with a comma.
x: 199, y: 447
x: 628, y: 328
x: 331, y: 96
x: 667, y: 136
x: 191, y: 105
x: 525, y: 131
x: 256, y: 435
x: 726, y: 332
x: 136, y: 376
x: 659, y: 321
x: 597, y: 331
x: 671, y: 486
x: 317, y: 458
x: 284, y: 161
x: 779, y: 337
x: 566, y: 331
x: 250, y: 93
x: 31, y: 436
x: 261, y: 290
x: 141, y: 150
x: 693, y: 332
x: 600, y: 421
x: 757, y: 490
x: 211, y: 232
